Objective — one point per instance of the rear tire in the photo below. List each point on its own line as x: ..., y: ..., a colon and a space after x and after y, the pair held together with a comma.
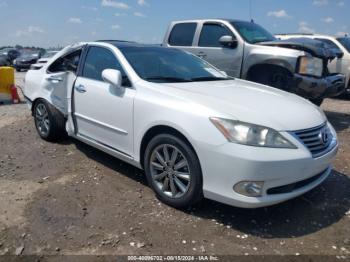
x: 175, y: 176
x: 49, y: 122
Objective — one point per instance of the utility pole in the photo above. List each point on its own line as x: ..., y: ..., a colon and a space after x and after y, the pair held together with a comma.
x: 250, y: 11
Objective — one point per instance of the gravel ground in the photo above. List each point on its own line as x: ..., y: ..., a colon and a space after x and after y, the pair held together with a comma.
x: 71, y: 199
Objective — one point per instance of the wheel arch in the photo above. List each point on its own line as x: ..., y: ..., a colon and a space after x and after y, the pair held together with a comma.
x: 36, y: 100
x: 161, y: 129
x: 266, y: 67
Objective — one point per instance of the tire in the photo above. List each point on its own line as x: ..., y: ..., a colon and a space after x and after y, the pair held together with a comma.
x: 317, y: 101
x: 276, y: 78
x: 49, y: 122
x: 18, y: 70
x: 183, y: 187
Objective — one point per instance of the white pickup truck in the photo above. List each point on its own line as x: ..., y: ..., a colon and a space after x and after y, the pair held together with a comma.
x: 340, y: 45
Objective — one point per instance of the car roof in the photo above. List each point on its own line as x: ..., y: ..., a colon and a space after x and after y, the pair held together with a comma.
x: 211, y: 19
x: 121, y: 43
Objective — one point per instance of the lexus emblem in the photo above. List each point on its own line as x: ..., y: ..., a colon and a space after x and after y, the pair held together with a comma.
x: 323, y: 136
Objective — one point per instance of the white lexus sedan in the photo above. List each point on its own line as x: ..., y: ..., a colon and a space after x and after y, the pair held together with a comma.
x: 196, y: 132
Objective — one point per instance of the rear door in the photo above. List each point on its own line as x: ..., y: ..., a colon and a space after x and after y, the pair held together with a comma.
x: 59, y: 79
x: 228, y: 59
x: 182, y: 36
x: 104, y: 113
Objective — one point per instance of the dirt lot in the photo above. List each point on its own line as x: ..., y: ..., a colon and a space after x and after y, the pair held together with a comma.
x: 69, y: 198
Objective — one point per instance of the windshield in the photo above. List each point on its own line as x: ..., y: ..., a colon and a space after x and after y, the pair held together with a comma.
x: 252, y: 33
x: 167, y: 65
x: 345, y: 41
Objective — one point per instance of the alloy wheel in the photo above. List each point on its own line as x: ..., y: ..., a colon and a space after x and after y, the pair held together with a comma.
x: 170, y: 171
x: 42, y: 119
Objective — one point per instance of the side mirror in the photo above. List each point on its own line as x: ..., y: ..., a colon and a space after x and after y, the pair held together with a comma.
x: 113, y: 77
x: 228, y: 41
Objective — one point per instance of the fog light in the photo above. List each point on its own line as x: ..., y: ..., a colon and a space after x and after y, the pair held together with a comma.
x: 249, y: 188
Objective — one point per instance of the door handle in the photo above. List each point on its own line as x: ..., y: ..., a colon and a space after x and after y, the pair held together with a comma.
x: 202, y: 55
x: 80, y: 88
x: 54, y: 79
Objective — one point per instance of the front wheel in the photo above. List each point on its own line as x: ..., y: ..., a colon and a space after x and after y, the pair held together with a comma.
x: 49, y: 122
x: 274, y: 77
x: 173, y: 171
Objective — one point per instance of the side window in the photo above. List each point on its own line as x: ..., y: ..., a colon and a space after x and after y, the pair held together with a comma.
x: 211, y: 33
x: 99, y: 59
x: 182, y: 34
x: 69, y: 62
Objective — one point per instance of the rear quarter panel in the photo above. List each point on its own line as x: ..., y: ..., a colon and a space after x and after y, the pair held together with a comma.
x: 32, y: 86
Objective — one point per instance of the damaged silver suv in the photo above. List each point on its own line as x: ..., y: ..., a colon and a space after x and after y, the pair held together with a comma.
x: 248, y: 51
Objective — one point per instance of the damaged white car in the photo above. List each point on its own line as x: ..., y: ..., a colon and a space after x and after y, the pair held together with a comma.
x: 195, y: 131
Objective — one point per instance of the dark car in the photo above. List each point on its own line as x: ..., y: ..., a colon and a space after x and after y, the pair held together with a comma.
x: 25, y: 60
x: 7, y: 55
x: 4, y: 61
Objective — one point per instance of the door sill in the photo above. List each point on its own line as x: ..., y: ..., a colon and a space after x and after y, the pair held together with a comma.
x: 107, y: 149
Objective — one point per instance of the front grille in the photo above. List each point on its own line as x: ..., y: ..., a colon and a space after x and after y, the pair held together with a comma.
x: 292, y: 187
x: 317, y: 139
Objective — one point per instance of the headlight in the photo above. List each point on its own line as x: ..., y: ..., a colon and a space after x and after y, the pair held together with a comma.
x: 250, y: 134
x: 310, y: 66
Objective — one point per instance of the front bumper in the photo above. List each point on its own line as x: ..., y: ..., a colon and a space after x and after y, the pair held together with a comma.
x: 315, y: 88
x: 286, y: 173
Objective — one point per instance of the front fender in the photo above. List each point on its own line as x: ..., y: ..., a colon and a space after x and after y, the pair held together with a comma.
x: 260, y: 55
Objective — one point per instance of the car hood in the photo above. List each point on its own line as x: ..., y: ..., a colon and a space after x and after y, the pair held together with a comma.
x: 253, y: 103
x: 314, y: 47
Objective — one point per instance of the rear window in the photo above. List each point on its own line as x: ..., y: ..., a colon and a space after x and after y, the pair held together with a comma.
x: 182, y: 34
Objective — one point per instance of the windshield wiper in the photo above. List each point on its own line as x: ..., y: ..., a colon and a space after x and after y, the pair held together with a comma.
x: 210, y: 78
x: 168, y: 79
